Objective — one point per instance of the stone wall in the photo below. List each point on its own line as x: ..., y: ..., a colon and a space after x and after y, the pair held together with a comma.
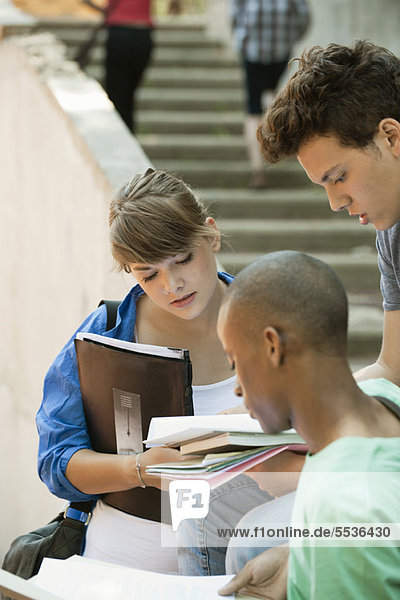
x: 342, y: 21
x: 63, y: 153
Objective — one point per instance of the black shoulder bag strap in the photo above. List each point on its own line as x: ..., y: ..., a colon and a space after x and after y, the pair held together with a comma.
x: 112, y: 308
x: 70, y: 538
x: 392, y: 406
x: 83, y: 53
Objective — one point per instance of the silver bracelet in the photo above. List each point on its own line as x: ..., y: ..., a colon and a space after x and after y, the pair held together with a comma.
x: 138, y: 471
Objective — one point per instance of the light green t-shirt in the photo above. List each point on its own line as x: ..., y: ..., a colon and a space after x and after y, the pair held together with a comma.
x: 353, y: 480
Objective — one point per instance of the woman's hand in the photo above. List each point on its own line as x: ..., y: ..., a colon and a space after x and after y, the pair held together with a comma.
x: 92, y: 5
x: 155, y: 456
x: 265, y: 576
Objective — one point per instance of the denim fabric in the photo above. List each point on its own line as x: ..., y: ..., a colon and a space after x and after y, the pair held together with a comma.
x: 278, y: 511
x: 200, y: 550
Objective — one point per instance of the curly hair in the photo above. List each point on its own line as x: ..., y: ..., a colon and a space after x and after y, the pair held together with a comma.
x: 344, y: 91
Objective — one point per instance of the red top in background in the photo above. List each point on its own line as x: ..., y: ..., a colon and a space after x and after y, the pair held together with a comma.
x: 128, y: 12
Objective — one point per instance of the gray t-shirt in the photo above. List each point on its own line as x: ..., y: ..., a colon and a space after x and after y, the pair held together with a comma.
x: 388, y: 245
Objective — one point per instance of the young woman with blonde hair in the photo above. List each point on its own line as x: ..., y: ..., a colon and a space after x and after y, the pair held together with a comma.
x: 161, y: 233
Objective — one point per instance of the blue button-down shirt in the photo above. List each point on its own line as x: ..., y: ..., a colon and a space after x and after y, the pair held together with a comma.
x: 60, y: 420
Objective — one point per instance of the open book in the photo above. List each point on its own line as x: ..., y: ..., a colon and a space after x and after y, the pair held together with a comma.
x: 79, y: 578
x: 123, y: 385
x: 205, y: 434
x: 16, y: 588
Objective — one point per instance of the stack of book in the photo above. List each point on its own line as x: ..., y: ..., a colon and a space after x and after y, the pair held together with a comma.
x: 217, y: 447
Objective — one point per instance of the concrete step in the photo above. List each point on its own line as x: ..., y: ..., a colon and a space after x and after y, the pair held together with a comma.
x: 178, y: 122
x: 213, y: 58
x: 262, y: 235
x: 358, y: 362
x: 201, y: 77
x: 303, y: 203
x: 187, y: 25
x: 74, y: 32
x: 365, y: 332
x: 357, y: 269
x: 190, y: 99
x: 234, y: 173
x: 182, y: 37
x: 175, y: 77
x: 209, y: 58
x: 185, y: 146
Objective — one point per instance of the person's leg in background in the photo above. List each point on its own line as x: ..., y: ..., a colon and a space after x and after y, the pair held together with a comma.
x: 261, y: 82
x: 201, y: 550
x: 128, y: 53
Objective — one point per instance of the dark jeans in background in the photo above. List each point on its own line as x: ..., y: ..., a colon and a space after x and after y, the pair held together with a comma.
x: 260, y: 77
x: 128, y: 52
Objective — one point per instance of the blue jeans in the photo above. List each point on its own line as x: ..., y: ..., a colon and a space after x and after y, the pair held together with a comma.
x: 201, y: 546
x: 278, y: 512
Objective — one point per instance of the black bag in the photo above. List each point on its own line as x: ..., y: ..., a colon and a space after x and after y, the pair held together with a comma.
x: 82, y: 55
x: 61, y: 538
x: 64, y: 536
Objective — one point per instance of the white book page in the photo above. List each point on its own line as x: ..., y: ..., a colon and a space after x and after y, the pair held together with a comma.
x: 165, y: 430
x: 17, y: 588
x: 84, y: 579
x: 174, y: 430
x: 132, y: 346
x: 176, y: 438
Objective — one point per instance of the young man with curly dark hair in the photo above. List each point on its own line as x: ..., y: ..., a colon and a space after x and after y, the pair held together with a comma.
x: 340, y: 115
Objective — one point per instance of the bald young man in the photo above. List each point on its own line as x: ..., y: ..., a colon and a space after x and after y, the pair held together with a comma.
x: 339, y: 114
x: 283, y: 324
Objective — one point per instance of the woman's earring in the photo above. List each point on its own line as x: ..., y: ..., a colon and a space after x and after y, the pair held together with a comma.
x: 127, y: 269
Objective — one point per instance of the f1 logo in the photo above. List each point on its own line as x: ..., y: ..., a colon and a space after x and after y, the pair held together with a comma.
x: 189, y: 499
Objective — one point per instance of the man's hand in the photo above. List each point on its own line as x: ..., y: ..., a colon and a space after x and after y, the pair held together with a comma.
x: 265, y: 576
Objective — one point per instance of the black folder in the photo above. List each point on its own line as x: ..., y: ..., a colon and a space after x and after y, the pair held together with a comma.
x: 124, y: 385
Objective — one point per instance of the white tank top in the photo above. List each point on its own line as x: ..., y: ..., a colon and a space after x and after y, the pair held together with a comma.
x: 114, y: 536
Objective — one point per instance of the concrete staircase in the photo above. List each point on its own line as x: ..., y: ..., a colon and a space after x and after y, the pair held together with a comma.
x: 190, y: 113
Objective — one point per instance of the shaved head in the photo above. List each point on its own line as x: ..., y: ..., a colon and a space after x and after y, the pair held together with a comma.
x: 297, y: 294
